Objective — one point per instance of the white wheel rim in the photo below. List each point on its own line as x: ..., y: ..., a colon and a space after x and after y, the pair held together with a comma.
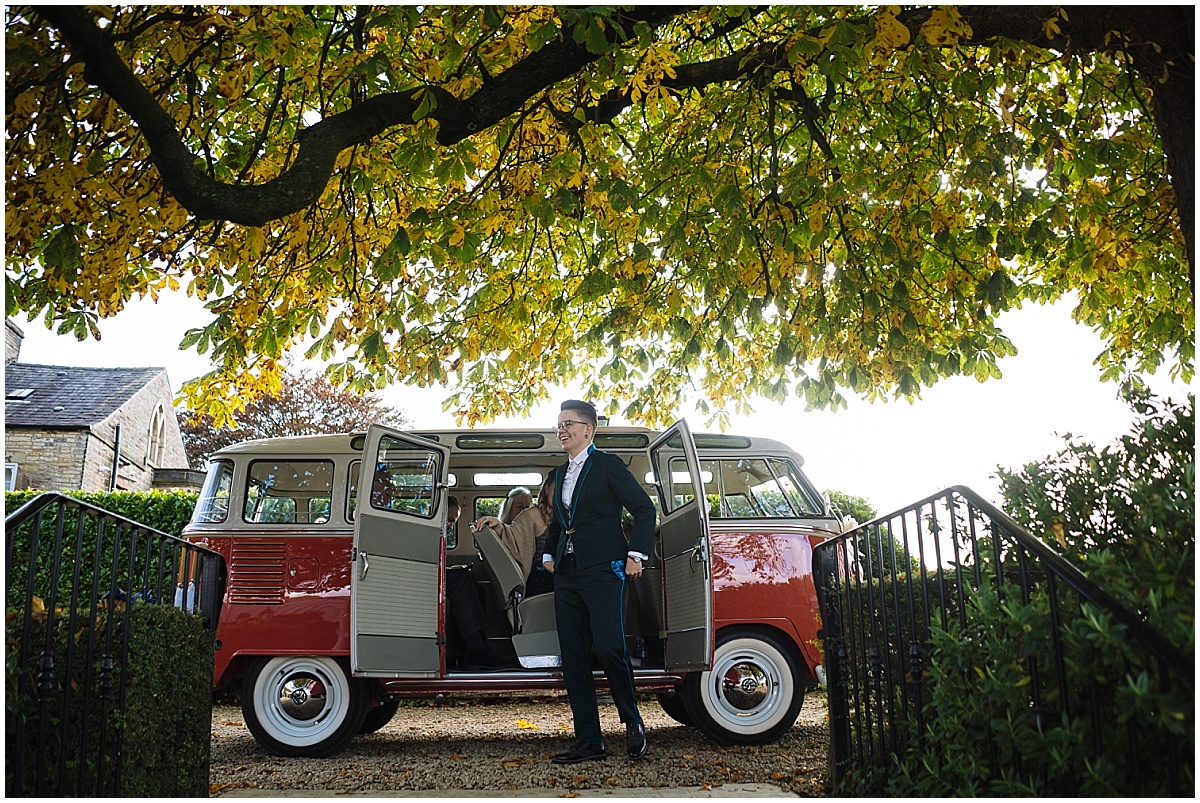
x: 749, y: 688
x: 301, y: 701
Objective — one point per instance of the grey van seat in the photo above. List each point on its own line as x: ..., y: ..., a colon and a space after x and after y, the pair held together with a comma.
x: 535, y: 632
x: 507, y: 579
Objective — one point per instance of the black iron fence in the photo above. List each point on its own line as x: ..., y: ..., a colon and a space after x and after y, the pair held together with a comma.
x: 957, y: 643
x: 72, y: 573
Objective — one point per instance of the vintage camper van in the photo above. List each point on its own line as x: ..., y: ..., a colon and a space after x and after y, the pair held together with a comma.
x: 334, y: 602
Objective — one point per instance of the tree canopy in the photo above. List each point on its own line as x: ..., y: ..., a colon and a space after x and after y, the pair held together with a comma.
x: 305, y: 403
x: 653, y: 202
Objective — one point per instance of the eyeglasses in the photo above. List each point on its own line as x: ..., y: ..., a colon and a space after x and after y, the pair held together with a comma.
x: 565, y: 426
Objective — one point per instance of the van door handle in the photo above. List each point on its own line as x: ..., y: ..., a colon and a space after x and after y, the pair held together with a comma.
x: 366, y: 565
x: 700, y: 553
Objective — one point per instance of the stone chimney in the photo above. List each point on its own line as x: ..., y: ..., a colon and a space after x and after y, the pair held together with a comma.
x: 12, y: 341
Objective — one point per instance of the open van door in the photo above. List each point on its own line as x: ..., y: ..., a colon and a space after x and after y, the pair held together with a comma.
x: 399, y: 528
x: 686, y: 560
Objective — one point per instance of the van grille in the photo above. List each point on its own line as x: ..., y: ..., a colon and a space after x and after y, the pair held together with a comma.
x: 256, y: 572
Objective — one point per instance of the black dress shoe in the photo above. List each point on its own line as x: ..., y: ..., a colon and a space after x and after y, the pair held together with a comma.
x: 581, y: 751
x: 635, y: 740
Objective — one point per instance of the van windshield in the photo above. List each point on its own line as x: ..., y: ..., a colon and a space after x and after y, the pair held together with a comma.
x: 758, y: 488
x: 213, y: 504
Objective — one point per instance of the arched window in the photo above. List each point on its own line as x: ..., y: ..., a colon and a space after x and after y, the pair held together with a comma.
x: 158, y: 437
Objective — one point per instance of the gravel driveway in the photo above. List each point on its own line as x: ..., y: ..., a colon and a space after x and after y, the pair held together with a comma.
x: 499, y: 744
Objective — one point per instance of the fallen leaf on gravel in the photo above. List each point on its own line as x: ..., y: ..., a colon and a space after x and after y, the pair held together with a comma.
x: 612, y: 781
x: 457, y: 757
x: 689, y: 755
x: 579, y: 779
x: 776, y: 775
x: 706, y: 786
x: 525, y: 724
x: 570, y: 794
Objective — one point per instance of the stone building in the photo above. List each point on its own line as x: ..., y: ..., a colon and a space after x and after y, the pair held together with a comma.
x: 92, y: 429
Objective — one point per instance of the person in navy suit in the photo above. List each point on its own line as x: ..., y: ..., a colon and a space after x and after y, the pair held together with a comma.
x: 590, y: 556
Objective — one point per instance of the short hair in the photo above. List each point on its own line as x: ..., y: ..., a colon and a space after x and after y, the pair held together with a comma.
x: 453, y: 502
x: 584, y: 408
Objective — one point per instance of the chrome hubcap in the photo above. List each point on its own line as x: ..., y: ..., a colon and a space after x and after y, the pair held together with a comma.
x: 745, y: 686
x: 302, y: 698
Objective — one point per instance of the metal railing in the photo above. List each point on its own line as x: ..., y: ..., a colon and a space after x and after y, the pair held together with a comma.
x: 928, y: 611
x: 70, y: 570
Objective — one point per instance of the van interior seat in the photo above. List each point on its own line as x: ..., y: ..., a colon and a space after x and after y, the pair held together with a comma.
x: 525, y: 615
x: 507, y: 579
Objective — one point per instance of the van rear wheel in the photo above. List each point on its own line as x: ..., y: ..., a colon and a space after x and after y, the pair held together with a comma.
x: 674, y: 707
x: 379, y: 716
x: 303, y: 705
x: 753, y: 693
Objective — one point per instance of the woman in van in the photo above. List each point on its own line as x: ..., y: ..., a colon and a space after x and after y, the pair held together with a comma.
x: 521, y: 538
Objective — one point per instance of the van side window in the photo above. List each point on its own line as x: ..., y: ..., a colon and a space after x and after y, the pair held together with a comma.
x: 213, y: 504
x: 288, y: 492
x: 756, y: 488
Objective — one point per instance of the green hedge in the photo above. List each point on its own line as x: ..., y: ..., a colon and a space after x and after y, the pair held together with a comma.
x: 166, y: 511
x: 162, y: 731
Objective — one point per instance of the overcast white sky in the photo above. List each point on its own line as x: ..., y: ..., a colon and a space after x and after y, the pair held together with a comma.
x: 892, y: 453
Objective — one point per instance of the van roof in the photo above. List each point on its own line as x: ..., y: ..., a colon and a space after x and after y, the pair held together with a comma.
x: 526, y: 440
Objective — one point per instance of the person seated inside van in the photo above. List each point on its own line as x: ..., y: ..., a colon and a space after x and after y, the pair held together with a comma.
x: 518, y: 501
x: 525, y: 536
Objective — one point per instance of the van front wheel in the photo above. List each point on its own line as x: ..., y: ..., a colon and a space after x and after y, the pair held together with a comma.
x: 302, y: 705
x: 753, y: 693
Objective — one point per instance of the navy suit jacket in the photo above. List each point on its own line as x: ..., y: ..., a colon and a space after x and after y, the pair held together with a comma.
x: 605, y: 486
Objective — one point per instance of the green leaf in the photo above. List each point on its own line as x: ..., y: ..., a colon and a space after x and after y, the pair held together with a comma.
x: 63, y: 251
x: 596, y: 40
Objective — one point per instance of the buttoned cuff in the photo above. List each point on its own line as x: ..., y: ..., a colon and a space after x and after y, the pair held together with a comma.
x: 547, y: 557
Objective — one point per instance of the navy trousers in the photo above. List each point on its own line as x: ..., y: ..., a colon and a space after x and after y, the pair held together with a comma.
x: 589, y: 605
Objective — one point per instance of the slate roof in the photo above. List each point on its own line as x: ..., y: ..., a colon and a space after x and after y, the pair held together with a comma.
x: 86, y: 396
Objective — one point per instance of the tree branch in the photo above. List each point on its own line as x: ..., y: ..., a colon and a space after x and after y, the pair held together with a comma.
x: 303, y: 182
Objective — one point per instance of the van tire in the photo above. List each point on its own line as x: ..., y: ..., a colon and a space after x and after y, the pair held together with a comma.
x: 378, y: 717
x: 674, y: 707
x: 753, y: 693
x: 303, y: 705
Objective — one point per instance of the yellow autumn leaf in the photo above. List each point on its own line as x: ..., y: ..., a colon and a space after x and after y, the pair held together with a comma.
x: 525, y: 724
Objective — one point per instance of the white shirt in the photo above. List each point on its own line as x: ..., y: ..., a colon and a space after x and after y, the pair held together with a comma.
x: 574, y: 467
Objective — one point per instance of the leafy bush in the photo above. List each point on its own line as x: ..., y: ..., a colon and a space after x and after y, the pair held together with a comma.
x: 78, y: 740
x: 1124, y: 514
x: 1001, y: 722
